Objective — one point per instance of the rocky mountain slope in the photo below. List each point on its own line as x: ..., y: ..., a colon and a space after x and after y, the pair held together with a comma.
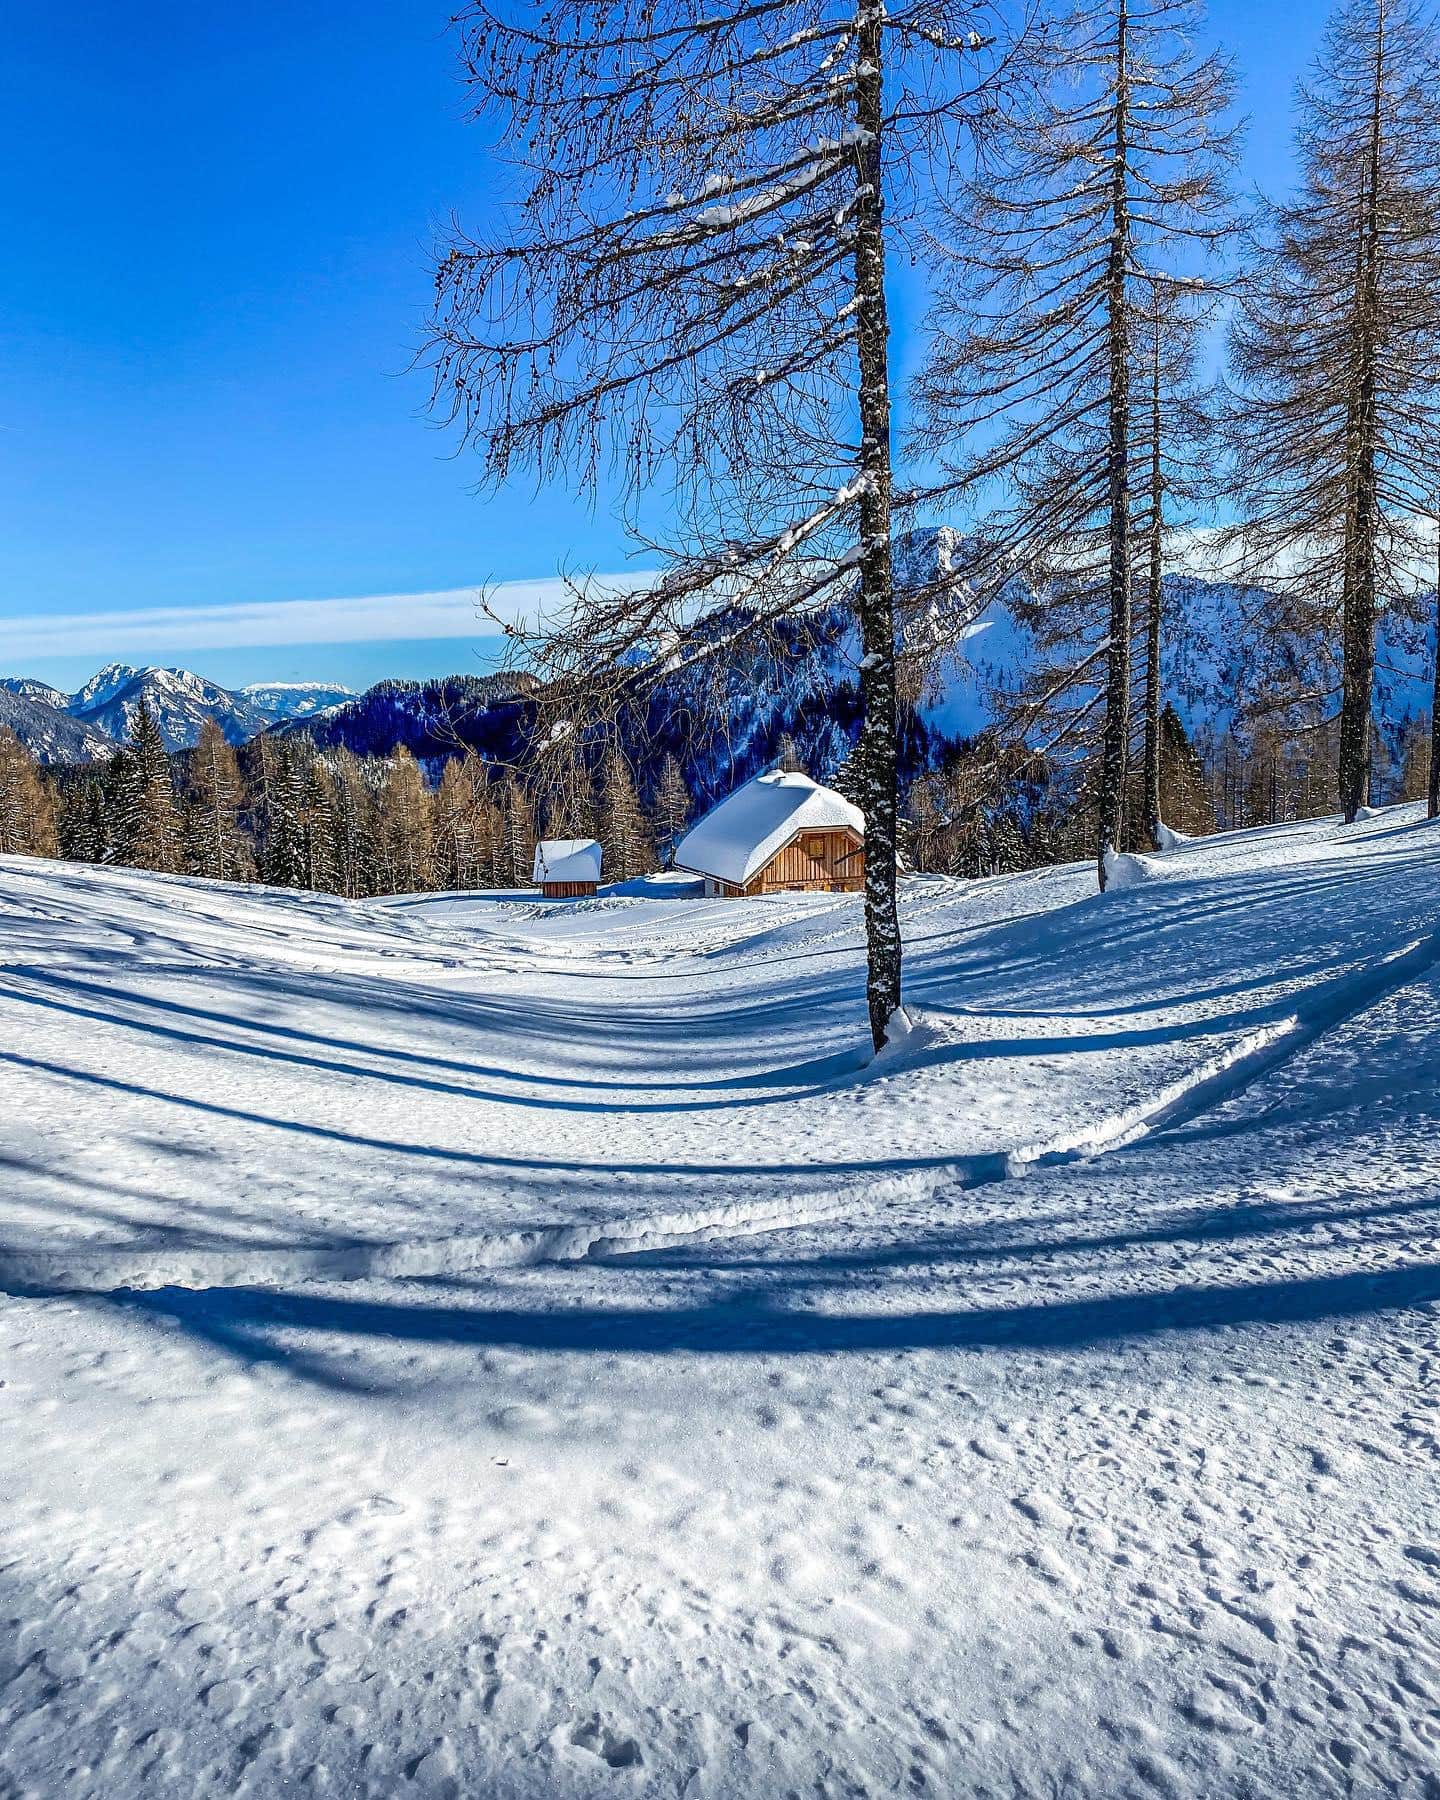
x: 87, y: 724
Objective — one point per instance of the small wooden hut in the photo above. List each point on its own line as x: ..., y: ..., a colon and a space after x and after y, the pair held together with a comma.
x: 779, y: 834
x: 567, y: 868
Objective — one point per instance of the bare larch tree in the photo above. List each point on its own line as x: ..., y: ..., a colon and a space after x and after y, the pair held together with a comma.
x: 1335, y: 415
x: 691, y: 298
x: 1107, y: 183
x: 1173, y: 428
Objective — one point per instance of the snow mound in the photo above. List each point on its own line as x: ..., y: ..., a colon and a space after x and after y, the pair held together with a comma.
x: 1123, y: 869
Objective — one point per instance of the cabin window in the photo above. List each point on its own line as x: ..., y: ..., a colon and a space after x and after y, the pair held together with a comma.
x: 815, y: 847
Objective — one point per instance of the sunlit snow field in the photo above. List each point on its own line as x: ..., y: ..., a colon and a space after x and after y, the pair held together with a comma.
x: 459, y: 1344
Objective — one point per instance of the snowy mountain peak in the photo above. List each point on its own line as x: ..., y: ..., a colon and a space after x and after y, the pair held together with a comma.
x: 296, y: 699
x: 102, y: 687
x: 87, y: 724
x: 39, y: 692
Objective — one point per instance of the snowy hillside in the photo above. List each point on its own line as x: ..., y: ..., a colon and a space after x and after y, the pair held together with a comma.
x: 462, y: 1345
x: 87, y: 724
x: 1211, y: 665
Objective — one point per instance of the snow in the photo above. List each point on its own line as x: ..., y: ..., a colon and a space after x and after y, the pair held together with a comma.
x: 739, y: 836
x: 452, y: 1346
x: 567, y: 859
x: 87, y: 725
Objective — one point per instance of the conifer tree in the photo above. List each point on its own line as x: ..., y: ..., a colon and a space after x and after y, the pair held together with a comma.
x: 1336, y: 419
x: 406, y: 826
x: 563, y: 785
x: 217, y: 846
x: 1415, y: 751
x: 27, y: 811
x: 84, y: 826
x: 147, y: 830
x: 1109, y: 185
x: 465, y: 825
x: 515, y: 858
x: 1182, y: 779
x: 626, y: 850
x: 353, y: 844
x: 697, y: 288
x: 285, y: 863
x: 322, y: 871
x: 924, y: 817
x: 671, y: 810
x: 1174, y: 433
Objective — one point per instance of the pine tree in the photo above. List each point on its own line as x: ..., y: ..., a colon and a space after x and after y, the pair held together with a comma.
x: 84, y: 823
x: 626, y: 850
x: 27, y: 809
x: 285, y: 862
x: 1182, y: 779
x: 217, y: 847
x: 699, y: 285
x: 353, y: 841
x: 322, y: 872
x: 1112, y: 185
x: 147, y: 830
x: 515, y: 852
x: 671, y: 809
x: 1337, y: 415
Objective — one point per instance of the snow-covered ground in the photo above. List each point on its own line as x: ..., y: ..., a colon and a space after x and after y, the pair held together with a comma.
x: 408, y: 1385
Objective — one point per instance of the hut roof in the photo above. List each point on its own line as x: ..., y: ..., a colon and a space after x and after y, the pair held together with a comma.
x: 567, y: 859
x: 738, y: 837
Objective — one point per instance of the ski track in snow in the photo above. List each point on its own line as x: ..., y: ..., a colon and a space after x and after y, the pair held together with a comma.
x: 1079, y: 1434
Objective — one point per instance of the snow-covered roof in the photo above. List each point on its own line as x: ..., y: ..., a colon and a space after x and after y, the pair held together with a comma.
x: 738, y: 837
x: 567, y: 859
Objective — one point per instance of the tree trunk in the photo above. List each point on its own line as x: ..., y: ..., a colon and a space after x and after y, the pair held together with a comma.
x: 1117, y: 681
x: 877, y: 595
x: 1358, y: 635
x: 1152, y: 622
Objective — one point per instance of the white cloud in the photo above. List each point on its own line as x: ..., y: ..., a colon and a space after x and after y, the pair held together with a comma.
x: 159, y: 631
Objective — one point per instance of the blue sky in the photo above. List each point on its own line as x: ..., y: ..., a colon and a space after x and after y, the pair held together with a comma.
x: 217, y: 224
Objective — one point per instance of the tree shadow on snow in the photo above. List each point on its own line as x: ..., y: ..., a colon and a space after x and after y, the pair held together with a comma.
x: 313, y: 1336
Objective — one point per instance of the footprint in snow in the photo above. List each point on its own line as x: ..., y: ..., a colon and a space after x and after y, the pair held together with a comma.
x: 1042, y: 1510
x: 611, y: 1747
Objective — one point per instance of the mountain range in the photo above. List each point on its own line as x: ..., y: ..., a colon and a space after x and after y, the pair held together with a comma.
x: 88, y: 724
x: 804, y: 684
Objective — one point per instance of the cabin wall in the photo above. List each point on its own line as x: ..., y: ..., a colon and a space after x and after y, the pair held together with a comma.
x: 567, y: 890
x: 814, y: 861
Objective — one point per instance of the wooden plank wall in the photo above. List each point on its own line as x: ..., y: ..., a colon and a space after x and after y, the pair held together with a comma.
x: 567, y: 890
x: 839, y: 867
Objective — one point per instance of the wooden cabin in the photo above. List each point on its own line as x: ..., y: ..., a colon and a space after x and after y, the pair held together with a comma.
x: 567, y: 868
x: 779, y: 834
